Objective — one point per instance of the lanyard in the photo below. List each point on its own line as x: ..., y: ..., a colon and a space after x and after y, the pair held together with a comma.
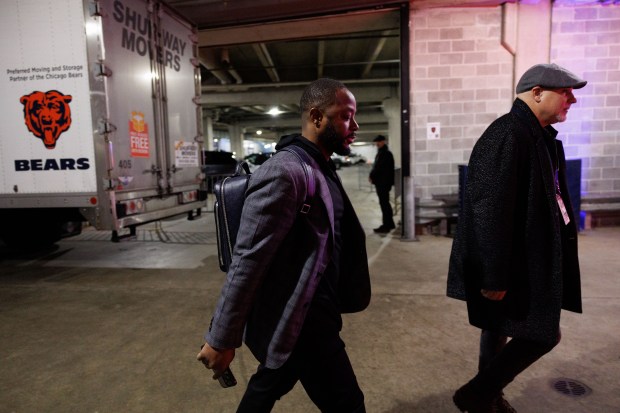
x: 558, y: 197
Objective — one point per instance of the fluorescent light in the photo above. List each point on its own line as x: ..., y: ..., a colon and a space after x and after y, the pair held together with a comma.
x: 274, y: 111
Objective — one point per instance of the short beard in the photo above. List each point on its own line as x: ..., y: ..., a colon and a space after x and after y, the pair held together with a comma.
x: 332, y: 143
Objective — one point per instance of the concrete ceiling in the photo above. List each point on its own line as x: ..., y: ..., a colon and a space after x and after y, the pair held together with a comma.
x: 259, y: 54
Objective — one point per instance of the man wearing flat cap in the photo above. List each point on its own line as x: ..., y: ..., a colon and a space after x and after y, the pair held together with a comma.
x: 382, y: 177
x: 514, y: 257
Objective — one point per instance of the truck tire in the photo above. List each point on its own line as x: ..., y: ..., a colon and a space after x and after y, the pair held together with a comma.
x: 28, y: 229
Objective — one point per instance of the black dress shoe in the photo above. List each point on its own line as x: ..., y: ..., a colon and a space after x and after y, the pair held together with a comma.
x: 467, y: 399
x: 382, y: 230
x: 501, y: 405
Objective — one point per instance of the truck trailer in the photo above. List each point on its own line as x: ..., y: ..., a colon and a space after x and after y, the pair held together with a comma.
x: 99, y: 119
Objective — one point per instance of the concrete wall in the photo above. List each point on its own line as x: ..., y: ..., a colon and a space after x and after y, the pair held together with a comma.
x: 587, y: 39
x: 462, y: 77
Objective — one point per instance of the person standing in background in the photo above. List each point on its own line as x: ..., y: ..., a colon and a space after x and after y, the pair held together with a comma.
x: 382, y: 177
x: 514, y: 257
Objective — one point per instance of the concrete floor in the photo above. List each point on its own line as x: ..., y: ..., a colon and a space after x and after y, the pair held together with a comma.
x: 93, y: 326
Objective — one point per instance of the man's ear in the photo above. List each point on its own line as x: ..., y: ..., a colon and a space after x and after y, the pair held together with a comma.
x: 316, y: 116
x: 537, y: 93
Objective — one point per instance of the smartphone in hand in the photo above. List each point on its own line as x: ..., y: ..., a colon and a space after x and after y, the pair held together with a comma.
x: 227, y: 379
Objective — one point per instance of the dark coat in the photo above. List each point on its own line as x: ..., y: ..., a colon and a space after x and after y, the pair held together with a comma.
x: 382, y: 173
x: 511, y: 235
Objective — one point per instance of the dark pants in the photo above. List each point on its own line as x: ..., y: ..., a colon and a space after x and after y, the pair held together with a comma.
x: 321, y: 364
x: 502, y: 360
x: 383, y: 192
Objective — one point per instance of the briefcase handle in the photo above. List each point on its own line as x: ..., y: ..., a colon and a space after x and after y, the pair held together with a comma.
x: 242, y: 166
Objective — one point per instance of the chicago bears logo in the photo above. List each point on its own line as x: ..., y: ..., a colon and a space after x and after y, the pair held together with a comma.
x: 47, y: 115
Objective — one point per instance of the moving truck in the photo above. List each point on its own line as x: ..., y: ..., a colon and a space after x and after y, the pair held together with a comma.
x: 98, y: 117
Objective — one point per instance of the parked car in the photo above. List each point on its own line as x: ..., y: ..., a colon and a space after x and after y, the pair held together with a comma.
x: 217, y: 165
x: 348, y: 160
x: 255, y: 160
x: 355, y: 159
x: 338, y: 161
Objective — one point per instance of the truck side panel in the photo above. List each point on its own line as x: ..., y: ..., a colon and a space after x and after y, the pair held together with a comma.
x: 130, y: 90
x: 97, y: 119
x: 183, y: 150
x: 150, y: 96
x: 150, y: 85
x: 46, y: 144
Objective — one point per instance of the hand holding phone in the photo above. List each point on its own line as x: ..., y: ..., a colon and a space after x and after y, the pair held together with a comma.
x: 226, y: 379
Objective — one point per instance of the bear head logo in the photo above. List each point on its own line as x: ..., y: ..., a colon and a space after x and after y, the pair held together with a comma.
x: 47, y: 115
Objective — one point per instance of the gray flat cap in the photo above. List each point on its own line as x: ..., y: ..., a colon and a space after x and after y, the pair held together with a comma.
x: 549, y: 75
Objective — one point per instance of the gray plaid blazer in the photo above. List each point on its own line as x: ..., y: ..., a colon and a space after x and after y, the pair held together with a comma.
x: 278, y: 259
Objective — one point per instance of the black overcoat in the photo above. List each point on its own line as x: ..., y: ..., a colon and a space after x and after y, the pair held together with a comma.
x: 382, y: 173
x: 511, y: 235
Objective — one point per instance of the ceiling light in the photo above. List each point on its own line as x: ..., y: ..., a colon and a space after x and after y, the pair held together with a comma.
x: 274, y: 111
